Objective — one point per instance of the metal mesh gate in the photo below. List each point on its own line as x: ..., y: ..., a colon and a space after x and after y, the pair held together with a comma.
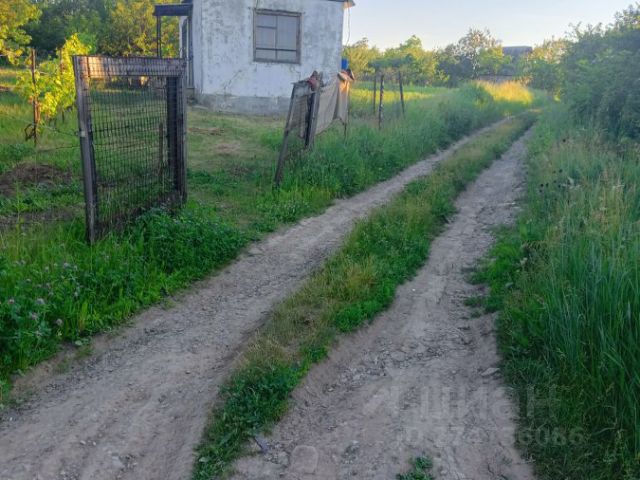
x: 131, y: 114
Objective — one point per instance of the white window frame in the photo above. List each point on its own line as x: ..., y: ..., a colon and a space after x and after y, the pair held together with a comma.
x: 256, y: 47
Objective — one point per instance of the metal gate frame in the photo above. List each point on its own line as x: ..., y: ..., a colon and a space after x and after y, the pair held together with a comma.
x: 99, y: 67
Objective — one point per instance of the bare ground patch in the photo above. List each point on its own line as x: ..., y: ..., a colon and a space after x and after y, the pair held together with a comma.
x: 32, y: 175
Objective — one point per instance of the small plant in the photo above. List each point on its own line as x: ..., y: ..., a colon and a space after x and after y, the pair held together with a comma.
x: 420, y: 470
x: 50, y: 86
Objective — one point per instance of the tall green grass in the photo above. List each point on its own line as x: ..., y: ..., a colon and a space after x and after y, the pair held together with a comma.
x: 568, y: 281
x: 354, y: 285
x: 362, y: 98
x: 54, y: 288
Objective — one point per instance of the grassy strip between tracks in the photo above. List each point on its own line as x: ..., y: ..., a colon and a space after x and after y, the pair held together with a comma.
x: 354, y: 285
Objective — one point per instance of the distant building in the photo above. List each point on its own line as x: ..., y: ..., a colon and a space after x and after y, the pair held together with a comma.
x: 509, y: 71
x: 517, y: 52
x: 246, y: 54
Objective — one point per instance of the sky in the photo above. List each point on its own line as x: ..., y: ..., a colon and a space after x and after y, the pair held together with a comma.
x: 387, y: 23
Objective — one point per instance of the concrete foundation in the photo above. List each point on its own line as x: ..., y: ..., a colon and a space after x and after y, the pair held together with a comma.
x: 263, y: 106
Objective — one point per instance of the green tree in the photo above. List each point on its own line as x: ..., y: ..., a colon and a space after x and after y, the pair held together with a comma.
x: 61, y: 19
x: 475, y: 54
x: 450, y: 65
x: 472, y: 48
x: 361, y: 56
x: 14, y: 15
x: 132, y: 30
x: 542, y: 68
x: 418, y: 65
x: 602, y: 72
x: 492, y: 60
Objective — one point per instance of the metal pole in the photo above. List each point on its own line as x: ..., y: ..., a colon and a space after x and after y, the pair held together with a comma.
x: 381, y: 106
x: 85, y: 132
x: 346, y: 123
x: 375, y: 90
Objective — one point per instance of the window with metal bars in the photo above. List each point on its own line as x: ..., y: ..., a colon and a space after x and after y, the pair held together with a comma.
x: 277, y: 36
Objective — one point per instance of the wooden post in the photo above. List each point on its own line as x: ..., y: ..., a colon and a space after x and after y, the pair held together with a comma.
x: 159, y: 35
x: 85, y: 133
x: 285, y: 142
x: 381, y: 105
x: 59, y: 53
x: 313, y: 115
x: 34, y: 101
x: 401, y: 92
x: 190, y: 52
x: 375, y: 90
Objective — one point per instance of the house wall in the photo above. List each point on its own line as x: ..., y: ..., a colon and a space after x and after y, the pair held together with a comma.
x: 226, y: 76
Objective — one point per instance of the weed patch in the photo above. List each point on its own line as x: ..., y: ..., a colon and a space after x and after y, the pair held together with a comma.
x: 420, y: 470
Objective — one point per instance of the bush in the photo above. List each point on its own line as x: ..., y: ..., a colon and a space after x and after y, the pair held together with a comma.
x: 603, y: 76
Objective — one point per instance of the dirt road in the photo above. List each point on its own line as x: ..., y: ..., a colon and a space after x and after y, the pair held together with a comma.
x: 136, y: 409
x: 422, y: 380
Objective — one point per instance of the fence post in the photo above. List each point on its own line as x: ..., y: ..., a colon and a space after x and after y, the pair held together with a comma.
x: 285, y: 142
x: 375, y: 90
x: 175, y: 133
x: 381, y: 106
x: 34, y: 101
x: 346, y: 124
x: 313, y: 115
x: 182, y: 132
x: 85, y: 133
x: 401, y: 92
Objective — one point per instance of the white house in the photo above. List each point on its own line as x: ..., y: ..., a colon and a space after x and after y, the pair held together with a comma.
x: 246, y: 54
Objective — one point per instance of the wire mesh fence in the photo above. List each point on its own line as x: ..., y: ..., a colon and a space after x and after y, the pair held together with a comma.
x: 131, y: 116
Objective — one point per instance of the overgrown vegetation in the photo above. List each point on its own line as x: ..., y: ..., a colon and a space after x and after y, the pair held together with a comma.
x: 602, y: 69
x: 359, y: 281
x: 55, y: 288
x: 568, y: 282
x: 567, y: 279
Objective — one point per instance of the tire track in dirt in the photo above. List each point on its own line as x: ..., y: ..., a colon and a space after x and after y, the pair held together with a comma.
x: 137, y: 408
x: 422, y: 379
